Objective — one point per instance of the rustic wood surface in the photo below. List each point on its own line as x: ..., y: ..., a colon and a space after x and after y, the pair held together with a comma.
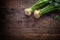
x: 18, y: 26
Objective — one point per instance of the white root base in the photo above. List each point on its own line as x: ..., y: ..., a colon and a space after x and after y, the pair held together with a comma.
x: 36, y: 14
x: 28, y: 11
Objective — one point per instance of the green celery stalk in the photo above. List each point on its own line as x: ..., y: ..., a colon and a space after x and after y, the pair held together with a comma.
x: 38, y: 4
x: 45, y: 10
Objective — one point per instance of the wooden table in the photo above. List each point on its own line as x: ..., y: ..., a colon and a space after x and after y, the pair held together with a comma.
x: 18, y: 26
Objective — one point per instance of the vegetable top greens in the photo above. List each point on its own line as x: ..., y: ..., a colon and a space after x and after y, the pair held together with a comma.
x: 38, y: 11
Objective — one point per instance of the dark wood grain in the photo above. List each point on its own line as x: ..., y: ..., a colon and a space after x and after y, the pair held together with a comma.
x: 18, y: 26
